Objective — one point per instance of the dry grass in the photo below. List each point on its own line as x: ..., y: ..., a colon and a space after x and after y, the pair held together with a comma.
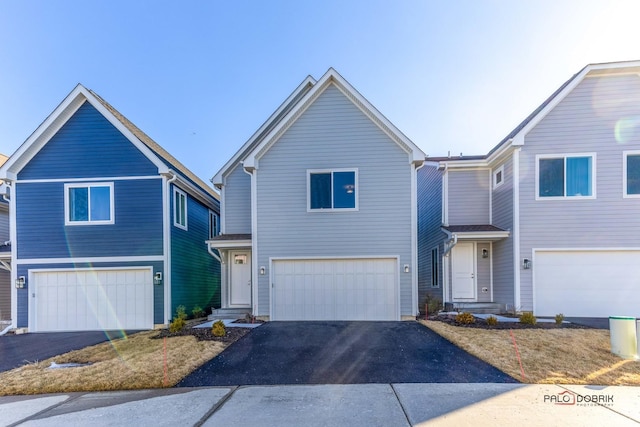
x: 136, y: 362
x: 549, y: 356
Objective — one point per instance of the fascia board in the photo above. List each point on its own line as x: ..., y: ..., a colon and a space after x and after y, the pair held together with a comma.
x: 217, y: 179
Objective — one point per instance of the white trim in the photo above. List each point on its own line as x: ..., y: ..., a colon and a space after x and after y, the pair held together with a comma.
x: 516, y: 228
x: 213, y: 224
x: 495, y: 172
x: 14, y: 254
x: 474, y: 259
x: 445, y: 197
x: 255, y: 279
x: 565, y: 156
x: 112, y: 218
x: 167, y: 180
x: 332, y: 171
x: 32, y: 288
x: 223, y: 208
x: 228, y: 244
x: 414, y: 239
x: 491, y: 270
x: 625, y: 154
x: 99, y: 179
x: 92, y: 260
x: 179, y: 194
x: 490, y: 199
x: 328, y: 258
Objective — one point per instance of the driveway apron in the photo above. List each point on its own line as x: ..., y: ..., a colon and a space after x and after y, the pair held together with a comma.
x: 343, y: 353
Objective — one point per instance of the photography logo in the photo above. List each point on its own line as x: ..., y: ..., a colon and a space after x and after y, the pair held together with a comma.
x: 568, y: 398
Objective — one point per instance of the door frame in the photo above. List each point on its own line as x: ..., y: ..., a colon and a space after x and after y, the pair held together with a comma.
x: 230, y: 281
x: 474, y: 270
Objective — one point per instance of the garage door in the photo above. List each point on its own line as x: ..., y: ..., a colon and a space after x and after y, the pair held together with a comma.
x: 336, y: 289
x: 587, y: 283
x: 89, y: 300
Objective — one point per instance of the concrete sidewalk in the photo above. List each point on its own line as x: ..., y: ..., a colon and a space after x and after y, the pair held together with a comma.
x: 336, y: 405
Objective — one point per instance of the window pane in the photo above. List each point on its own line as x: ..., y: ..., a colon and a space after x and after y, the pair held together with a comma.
x: 78, y: 204
x: 183, y: 209
x: 578, y: 176
x: 551, y: 179
x: 344, y: 190
x: 320, y: 189
x: 100, y: 203
x: 633, y: 174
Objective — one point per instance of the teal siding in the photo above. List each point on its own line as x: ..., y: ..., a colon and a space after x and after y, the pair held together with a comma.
x: 195, y: 274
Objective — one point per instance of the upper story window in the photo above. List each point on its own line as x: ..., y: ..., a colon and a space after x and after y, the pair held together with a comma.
x: 332, y: 189
x: 564, y: 176
x: 631, y: 173
x: 435, y: 269
x: 88, y: 204
x: 180, y: 208
x: 498, y: 177
x: 214, y: 224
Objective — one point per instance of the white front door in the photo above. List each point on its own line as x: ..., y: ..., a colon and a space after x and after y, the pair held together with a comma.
x: 240, y: 289
x: 463, y: 272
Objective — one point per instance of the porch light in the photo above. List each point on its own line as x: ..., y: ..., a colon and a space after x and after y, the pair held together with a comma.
x: 526, y: 263
x: 485, y: 253
x: 157, y: 278
x: 20, y: 282
x: 406, y: 268
x: 262, y: 270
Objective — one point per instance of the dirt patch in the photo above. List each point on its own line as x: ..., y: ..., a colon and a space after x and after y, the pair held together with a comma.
x: 479, y: 323
x: 205, y: 334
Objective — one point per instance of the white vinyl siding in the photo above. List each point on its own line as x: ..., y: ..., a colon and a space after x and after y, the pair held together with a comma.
x: 180, y: 209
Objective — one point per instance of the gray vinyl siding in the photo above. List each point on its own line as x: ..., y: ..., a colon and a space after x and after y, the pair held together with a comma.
x: 334, y: 133
x: 237, y: 202
x: 4, y: 222
x: 468, y: 188
x: 585, y: 121
x: 483, y: 269
x: 502, y: 251
x: 5, y: 276
x: 430, y: 234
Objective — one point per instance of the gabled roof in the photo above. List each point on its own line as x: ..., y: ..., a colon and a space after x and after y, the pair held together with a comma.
x: 516, y: 136
x: 164, y: 161
x: 295, y: 105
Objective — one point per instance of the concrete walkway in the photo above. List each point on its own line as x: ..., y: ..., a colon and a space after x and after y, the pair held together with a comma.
x: 350, y: 405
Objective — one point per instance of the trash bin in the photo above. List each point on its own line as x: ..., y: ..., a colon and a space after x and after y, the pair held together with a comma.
x: 624, y: 341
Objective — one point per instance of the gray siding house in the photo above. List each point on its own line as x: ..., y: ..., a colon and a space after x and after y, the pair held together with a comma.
x: 319, y: 212
x: 548, y: 220
x: 5, y: 256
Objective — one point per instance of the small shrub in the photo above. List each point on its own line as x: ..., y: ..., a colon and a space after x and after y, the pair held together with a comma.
x: 465, y: 318
x: 492, y: 320
x: 527, y: 318
x: 197, y: 312
x: 218, y: 329
x: 433, y: 304
x: 177, y: 325
x: 181, y: 312
x: 250, y: 318
x: 559, y: 319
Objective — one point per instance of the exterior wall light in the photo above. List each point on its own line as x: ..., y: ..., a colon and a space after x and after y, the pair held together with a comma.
x: 157, y: 278
x: 526, y: 263
x: 485, y: 253
x: 20, y: 281
x: 262, y: 270
x: 406, y: 268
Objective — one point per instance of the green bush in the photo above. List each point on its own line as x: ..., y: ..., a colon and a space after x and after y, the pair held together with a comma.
x: 465, y: 318
x: 559, y: 319
x: 433, y: 304
x: 528, y: 318
x: 218, y: 329
x: 177, y: 325
x: 492, y: 320
x: 181, y: 312
x: 197, y: 312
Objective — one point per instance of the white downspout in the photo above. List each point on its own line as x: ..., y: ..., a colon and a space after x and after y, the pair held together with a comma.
x: 212, y: 253
x: 254, y: 241
x: 414, y: 237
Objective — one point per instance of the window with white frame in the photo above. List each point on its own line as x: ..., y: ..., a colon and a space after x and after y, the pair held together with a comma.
x: 435, y: 268
x: 180, y: 208
x: 214, y: 224
x: 631, y: 173
x: 332, y: 189
x: 498, y: 177
x: 564, y: 176
x: 89, y: 204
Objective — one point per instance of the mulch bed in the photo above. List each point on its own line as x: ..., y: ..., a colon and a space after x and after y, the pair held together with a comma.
x: 204, y: 334
x: 482, y: 324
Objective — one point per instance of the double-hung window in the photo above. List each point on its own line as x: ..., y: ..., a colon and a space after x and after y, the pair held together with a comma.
x: 180, y: 208
x: 214, y: 224
x: 498, y: 177
x: 631, y: 173
x: 565, y: 176
x: 332, y: 190
x: 88, y: 204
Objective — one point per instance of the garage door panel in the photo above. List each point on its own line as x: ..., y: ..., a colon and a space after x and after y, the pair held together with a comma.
x: 587, y: 283
x: 342, y: 289
x: 78, y: 300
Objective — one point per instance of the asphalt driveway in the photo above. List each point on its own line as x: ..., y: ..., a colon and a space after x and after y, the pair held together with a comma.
x: 343, y: 353
x: 18, y: 350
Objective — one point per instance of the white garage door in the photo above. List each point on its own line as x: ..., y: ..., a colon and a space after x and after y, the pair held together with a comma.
x: 587, y: 283
x: 89, y: 300
x: 335, y: 289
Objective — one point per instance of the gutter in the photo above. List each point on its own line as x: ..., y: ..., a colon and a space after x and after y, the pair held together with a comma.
x: 449, y: 244
x: 213, y: 254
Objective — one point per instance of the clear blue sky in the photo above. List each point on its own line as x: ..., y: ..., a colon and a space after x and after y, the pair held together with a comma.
x: 200, y: 77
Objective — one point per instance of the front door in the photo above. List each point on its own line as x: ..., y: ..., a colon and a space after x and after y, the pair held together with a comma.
x: 240, y: 289
x: 463, y: 272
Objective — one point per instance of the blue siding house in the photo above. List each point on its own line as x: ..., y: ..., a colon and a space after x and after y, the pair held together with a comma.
x: 319, y: 212
x: 107, y: 228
